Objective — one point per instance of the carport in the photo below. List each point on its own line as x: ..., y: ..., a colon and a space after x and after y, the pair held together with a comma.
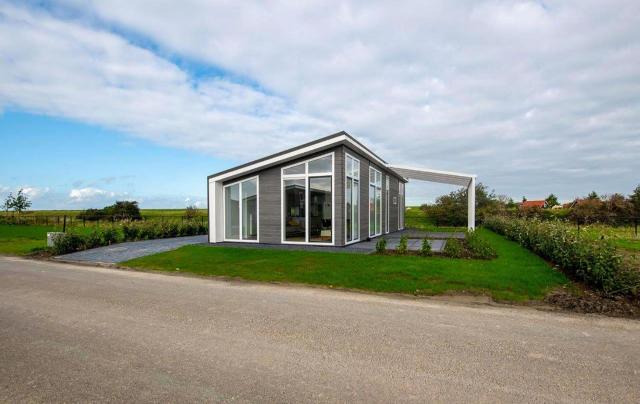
x: 445, y: 177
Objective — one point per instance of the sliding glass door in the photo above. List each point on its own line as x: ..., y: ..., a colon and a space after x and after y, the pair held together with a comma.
x: 241, y: 210
x: 307, y: 189
x: 352, y: 196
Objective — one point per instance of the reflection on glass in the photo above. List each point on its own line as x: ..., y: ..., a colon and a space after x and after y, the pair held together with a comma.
x: 356, y: 209
x: 250, y: 210
x: 372, y: 210
x: 349, y: 210
x: 294, y: 210
x: 320, y: 210
x: 321, y: 165
x: 232, y: 212
x: 299, y: 169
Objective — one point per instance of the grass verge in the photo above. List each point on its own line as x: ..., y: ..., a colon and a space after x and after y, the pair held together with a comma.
x: 516, y: 275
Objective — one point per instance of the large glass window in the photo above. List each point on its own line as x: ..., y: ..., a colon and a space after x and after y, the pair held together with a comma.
x: 232, y: 212
x: 250, y: 210
x: 320, y: 209
x: 352, y: 194
x: 308, y: 201
x: 401, y: 205
x: 241, y: 211
x: 294, y: 210
x: 375, y: 202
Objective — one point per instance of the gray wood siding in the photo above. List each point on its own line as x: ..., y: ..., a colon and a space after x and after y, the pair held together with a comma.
x: 364, y: 195
x: 270, y: 215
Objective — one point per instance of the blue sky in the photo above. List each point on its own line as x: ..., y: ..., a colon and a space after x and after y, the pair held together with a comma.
x: 105, y: 100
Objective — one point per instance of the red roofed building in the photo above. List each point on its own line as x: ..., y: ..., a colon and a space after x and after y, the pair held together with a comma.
x: 532, y: 204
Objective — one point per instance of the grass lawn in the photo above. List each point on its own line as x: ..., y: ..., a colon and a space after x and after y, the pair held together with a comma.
x: 516, y: 275
x: 23, y: 239
x: 416, y: 218
x: 623, y: 236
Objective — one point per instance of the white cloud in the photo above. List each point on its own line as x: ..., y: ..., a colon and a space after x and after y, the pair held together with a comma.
x: 538, y: 88
x: 86, y: 194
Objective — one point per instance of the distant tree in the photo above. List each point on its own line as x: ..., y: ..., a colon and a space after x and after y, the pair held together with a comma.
x: 21, y: 202
x: 587, y: 211
x: 7, y: 205
x: 91, y: 214
x: 451, y: 209
x: 617, y: 209
x: 593, y: 195
x: 551, y: 201
x: 191, y: 211
x: 634, y: 199
x: 123, y: 210
x: 524, y: 199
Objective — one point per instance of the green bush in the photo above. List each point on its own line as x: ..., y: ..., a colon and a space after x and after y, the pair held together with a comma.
x: 93, y: 240
x: 425, y: 249
x: 478, y: 247
x: 110, y: 236
x: 403, y: 245
x: 130, y: 232
x: 453, y: 248
x: 597, y: 263
x: 381, y: 245
x: 69, y: 242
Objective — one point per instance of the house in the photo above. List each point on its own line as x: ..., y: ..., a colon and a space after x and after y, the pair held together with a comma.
x: 532, y: 204
x: 333, y: 191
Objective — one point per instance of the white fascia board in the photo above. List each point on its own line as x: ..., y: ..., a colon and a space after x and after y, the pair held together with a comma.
x: 295, y: 153
x: 426, y: 174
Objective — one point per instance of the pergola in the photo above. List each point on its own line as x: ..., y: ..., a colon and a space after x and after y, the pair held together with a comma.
x: 445, y: 177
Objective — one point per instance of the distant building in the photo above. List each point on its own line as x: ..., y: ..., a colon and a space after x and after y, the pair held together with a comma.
x: 532, y: 204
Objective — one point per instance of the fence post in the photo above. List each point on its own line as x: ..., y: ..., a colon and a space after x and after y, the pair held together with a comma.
x: 64, y: 224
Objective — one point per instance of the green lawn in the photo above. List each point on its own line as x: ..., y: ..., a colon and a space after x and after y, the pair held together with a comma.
x: 23, y: 239
x: 516, y: 275
x: 416, y: 218
x: 623, y: 236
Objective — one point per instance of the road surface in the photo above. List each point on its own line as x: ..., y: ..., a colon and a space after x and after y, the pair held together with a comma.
x: 78, y: 333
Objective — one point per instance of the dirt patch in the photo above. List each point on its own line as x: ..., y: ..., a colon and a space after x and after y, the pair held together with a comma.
x: 587, y: 301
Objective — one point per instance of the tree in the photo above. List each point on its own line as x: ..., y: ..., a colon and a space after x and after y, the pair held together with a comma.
x: 551, y: 201
x: 593, y: 195
x: 634, y: 198
x: 587, y: 211
x: 123, y: 210
x: 451, y: 209
x: 21, y: 202
x: 8, y: 203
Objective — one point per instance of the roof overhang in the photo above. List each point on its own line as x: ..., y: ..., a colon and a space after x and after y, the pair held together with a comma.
x: 291, y: 154
x: 425, y: 174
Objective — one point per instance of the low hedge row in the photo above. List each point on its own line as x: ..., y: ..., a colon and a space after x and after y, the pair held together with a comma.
x: 73, y: 241
x: 597, y: 263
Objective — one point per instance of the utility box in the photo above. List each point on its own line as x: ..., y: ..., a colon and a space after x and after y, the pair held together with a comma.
x: 52, y: 236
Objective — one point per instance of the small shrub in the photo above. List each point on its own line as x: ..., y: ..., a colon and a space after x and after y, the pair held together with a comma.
x: 453, y: 248
x: 147, y: 231
x: 478, y: 247
x: 403, y: 245
x: 93, y: 240
x: 68, y: 243
x: 110, y: 236
x: 381, y: 245
x: 130, y: 232
x: 425, y: 249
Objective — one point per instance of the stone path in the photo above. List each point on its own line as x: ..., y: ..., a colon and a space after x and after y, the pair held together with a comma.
x: 130, y: 250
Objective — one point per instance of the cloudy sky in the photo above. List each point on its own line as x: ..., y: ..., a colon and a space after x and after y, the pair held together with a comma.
x: 104, y: 100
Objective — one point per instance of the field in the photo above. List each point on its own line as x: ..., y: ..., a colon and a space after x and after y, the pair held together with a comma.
x: 415, y: 218
x: 516, y: 275
x: 23, y: 240
x: 623, y: 237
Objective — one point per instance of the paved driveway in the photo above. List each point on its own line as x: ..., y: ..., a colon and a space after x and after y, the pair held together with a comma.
x: 85, y: 334
x: 126, y: 251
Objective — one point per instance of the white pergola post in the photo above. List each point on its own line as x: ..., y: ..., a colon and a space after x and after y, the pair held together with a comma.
x: 471, y: 204
x: 216, y: 229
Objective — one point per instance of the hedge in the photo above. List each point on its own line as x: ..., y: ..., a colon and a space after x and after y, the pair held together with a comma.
x: 595, y: 262
x: 133, y: 231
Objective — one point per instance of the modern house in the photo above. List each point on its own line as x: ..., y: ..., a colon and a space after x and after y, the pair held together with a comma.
x: 333, y: 191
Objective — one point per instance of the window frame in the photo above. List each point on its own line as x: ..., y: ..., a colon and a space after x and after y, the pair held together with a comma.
x: 373, y: 182
x: 353, y: 214
x: 224, y: 210
x: 306, y: 177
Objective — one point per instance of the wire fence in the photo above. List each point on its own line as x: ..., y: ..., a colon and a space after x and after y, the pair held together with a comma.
x: 74, y: 221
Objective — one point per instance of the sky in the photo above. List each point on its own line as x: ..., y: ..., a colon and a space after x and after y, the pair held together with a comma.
x: 109, y: 100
